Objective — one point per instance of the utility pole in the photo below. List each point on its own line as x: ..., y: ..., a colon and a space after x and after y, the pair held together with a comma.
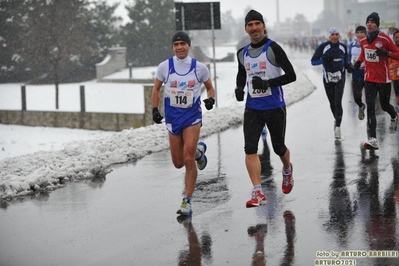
x: 278, y: 17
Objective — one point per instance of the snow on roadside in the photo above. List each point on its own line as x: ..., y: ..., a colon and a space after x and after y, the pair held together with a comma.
x: 47, y: 170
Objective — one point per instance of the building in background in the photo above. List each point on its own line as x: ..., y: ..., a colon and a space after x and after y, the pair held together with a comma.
x: 355, y: 12
x: 344, y: 14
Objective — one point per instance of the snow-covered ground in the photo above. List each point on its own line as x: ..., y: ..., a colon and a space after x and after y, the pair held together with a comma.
x: 34, y: 159
x: 100, y: 97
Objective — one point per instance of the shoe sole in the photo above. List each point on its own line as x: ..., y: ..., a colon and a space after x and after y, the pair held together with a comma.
x: 200, y: 167
x: 184, y: 213
x: 256, y: 205
x: 205, y: 159
x: 369, y: 147
x: 203, y: 145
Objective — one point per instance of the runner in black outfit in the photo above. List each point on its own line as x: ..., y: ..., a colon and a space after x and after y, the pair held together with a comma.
x: 333, y: 55
x: 260, y: 68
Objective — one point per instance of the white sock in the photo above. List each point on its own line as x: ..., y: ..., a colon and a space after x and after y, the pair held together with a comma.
x: 287, y: 171
x: 257, y: 187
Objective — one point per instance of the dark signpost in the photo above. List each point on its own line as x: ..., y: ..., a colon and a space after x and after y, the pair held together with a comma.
x: 198, y: 16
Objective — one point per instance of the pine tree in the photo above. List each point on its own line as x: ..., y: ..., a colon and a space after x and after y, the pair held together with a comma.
x: 12, y: 20
x: 148, y: 36
x: 103, y: 28
x: 53, y: 41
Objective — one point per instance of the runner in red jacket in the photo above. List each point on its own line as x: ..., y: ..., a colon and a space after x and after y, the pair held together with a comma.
x: 377, y: 47
x: 394, y: 68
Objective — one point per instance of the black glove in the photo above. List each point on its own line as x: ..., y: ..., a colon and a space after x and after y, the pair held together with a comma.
x: 209, y: 103
x: 357, y: 65
x: 327, y: 59
x: 259, y: 84
x: 240, y: 94
x: 381, y: 52
x: 156, y: 115
x: 348, y: 67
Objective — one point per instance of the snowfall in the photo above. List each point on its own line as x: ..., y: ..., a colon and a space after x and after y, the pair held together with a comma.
x: 37, y: 159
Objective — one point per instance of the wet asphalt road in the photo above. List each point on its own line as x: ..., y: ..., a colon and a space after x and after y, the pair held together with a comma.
x: 345, y: 199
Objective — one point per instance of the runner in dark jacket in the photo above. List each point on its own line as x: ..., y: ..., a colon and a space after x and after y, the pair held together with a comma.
x: 333, y: 56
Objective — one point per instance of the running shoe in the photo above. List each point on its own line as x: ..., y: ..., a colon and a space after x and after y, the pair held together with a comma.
x: 372, y: 143
x: 361, y: 112
x: 202, y: 160
x: 185, y: 208
x: 185, y: 220
x: 258, y: 198
x: 393, y: 125
x: 288, y: 181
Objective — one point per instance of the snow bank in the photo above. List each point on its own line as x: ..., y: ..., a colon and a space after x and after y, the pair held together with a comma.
x: 47, y: 170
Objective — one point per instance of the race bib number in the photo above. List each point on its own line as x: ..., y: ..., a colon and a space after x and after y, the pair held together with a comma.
x: 256, y: 93
x: 371, y: 56
x: 181, y: 98
x: 334, y: 77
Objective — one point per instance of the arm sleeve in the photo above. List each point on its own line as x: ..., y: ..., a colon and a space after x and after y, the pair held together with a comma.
x: 202, y: 72
x: 361, y: 55
x: 241, y: 78
x: 161, y: 70
x: 316, y: 58
x: 393, y: 49
x: 285, y: 64
x: 346, y: 56
x: 350, y: 53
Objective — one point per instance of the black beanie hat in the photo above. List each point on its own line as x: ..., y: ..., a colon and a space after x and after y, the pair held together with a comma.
x: 253, y: 15
x: 181, y: 36
x: 361, y: 28
x: 374, y: 17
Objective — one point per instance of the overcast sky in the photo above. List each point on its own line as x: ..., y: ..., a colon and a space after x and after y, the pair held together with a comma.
x: 288, y: 8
